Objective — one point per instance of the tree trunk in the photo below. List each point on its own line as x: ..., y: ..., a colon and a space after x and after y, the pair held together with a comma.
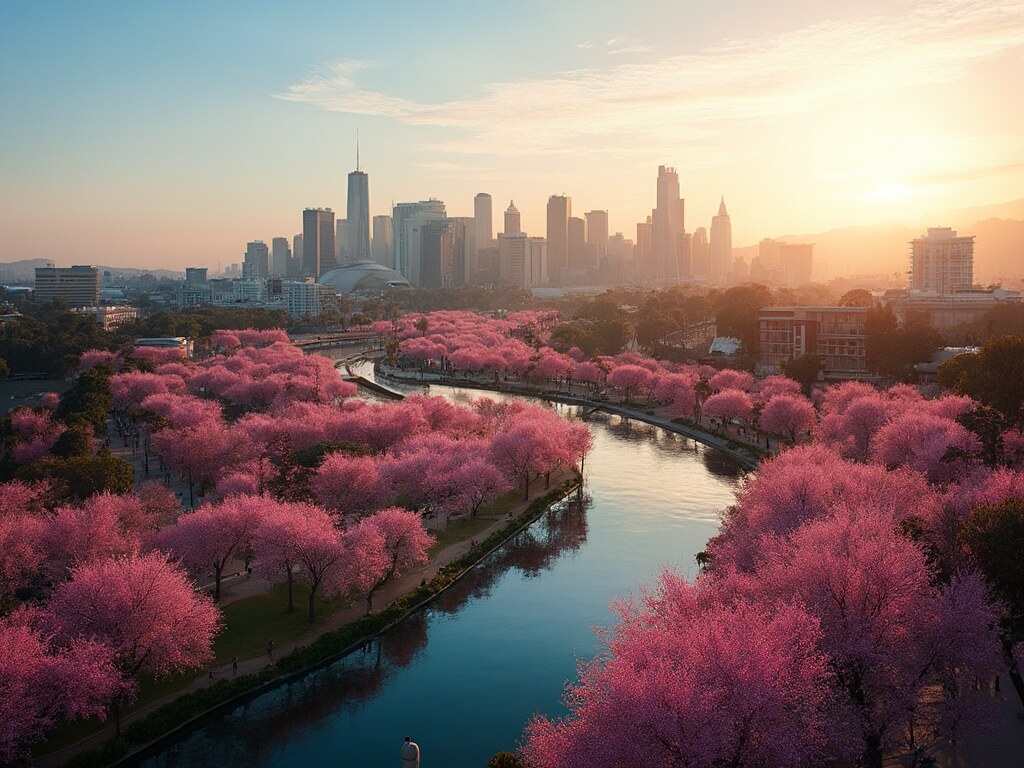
x: 526, y: 488
x: 291, y: 594
x: 312, y: 605
x: 1011, y: 661
x: 872, y: 752
x: 369, y: 602
x: 217, y: 570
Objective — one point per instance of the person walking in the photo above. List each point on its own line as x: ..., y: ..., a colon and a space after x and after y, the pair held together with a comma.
x: 234, y: 666
x: 270, y: 650
x: 410, y: 754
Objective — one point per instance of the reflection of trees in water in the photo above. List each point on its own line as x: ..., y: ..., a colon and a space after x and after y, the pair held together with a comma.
x: 561, y: 529
x: 625, y: 430
x: 721, y: 464
x: 244, y: 736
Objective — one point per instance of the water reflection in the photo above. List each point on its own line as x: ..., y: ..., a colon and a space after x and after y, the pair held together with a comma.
x: 465, y: 675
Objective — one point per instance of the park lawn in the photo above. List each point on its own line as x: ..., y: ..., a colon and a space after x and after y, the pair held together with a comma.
x: 250, y: 623
x: 467, y: 528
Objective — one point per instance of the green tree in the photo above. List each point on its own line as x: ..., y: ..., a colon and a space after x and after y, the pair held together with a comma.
x: 858, y: 297
x: 79, y: 477
x: 737, y: 311
x: 804, y: 369
x: 993, y: 534
x: 995, y: 376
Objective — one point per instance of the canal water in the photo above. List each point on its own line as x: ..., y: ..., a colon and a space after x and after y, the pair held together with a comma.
x: 463, y: 677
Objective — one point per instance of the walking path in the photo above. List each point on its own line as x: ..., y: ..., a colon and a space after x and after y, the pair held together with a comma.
x: 237, y: 589
x: 659, y: 416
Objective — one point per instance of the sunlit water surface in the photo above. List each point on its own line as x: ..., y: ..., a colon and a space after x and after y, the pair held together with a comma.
x: 464, y: 676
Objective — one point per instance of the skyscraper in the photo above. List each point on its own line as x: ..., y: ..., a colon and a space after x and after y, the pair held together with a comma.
x: 941, y: 262
x: 358, y: 243
x: 382, y: 240
x: 667, y: 226
x: 406, y: 237
x: 513, y: 222
x: 318, y: 254
x: 483, y: 234
x: 721, y: 245
x: 279, y: 255
x: 700, y: 256
x: 341, y: 241
x: 559, y: 211
x: 256, y: 263
x: 597, y: 238
x: 298, y: 254
x: 577, y: 243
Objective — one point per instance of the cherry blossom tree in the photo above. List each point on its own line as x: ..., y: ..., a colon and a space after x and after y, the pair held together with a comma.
x: 143, y: 608
x: 391, y: 541
x: 302, y: 538
x: 86, y: 533
x: 787, y: 415
x: 689, y: 681
x: 889, y: 634
x: 729, y: 404
x: 36, y: 432
x: 731, y: 379
x: 348, y: 484
x: 214, y: 534
x: 42, y: 685
x: 924, y: 442
x: 630, y: 379
x: 478, y: 482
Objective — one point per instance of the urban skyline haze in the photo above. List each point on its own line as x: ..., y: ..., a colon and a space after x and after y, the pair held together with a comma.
x: 162, y: 137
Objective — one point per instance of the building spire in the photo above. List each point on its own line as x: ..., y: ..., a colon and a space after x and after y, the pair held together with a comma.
x: 721, y: 208
x: 357, y: 148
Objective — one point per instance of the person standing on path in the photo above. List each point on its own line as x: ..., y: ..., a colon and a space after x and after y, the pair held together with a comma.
x: 410, y: 754
x: 270, y: 650
x: 234, y: 666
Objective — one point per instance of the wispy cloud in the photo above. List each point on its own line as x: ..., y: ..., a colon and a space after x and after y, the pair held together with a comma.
x: 585, y: 44
x: 630, y: 49
x: 679, y: 101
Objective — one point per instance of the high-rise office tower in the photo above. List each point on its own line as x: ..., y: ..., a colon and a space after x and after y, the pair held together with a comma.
x: 644, y: 266
x: 721, y: 245
x: 577, y: 243
x: 513, y: 222
x: 462, y: 231
x: 483, y: 219
x: 667, y: 220
x: 318, y: 255
x: 295, y: 263
x: 196, y: 275
x: 256, y: 264
x: 341, y: 240
x: 358, y: 242
x: 941, y: 262
x: 597, y: 228
x: 406, y: 219
x: 279, y: 255
x: 700, y: 255
x: 483, y: 233
x: 382, y: 240
x: 559, y: 211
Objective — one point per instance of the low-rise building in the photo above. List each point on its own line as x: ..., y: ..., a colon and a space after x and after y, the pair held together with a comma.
x: 78, y: 285
x: 111, y: 317
x: 834, y: 334
x: 307, y: 297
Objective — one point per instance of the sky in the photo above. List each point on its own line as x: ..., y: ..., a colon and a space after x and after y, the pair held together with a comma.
x: 170, y: 134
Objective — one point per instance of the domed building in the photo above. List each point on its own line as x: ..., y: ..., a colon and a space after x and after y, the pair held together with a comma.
x: 363, y: 277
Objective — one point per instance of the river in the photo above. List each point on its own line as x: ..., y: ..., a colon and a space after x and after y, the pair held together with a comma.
x: 464, y: 676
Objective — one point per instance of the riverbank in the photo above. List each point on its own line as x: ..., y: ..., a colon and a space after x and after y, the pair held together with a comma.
x: 346, y: 630
x: 747, y: 455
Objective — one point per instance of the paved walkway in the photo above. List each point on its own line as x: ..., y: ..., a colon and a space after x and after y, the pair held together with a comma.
x: 237, y: 588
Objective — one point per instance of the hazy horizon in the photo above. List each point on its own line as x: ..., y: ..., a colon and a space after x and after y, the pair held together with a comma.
x: 166, y: 137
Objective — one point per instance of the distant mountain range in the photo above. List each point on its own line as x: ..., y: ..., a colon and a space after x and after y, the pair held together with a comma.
x: 884, y: 248
x: 25, y: 271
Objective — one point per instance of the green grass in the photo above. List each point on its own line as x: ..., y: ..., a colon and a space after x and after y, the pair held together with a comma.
x: 251, y: 622
x: 459, y: 530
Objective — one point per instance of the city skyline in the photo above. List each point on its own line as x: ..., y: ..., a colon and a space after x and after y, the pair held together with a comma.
x: 788, y: 112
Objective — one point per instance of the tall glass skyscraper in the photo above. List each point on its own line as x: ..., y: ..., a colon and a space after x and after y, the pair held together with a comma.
x: 357, y: 247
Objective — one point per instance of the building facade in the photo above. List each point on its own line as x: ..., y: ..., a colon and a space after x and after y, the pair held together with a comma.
x: 78, y: 285
x: 406, y: 218
x: 306, y: 297
x: 280, y: 254
x: 667, y: 225
x: 382, y: 244
x: 941, y: 262
x: 256, y: 264
x: 358, y: 217
x: 318, y: 254
x: 559, y: 212
x: 720, y: 247
x: 834, y: 334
